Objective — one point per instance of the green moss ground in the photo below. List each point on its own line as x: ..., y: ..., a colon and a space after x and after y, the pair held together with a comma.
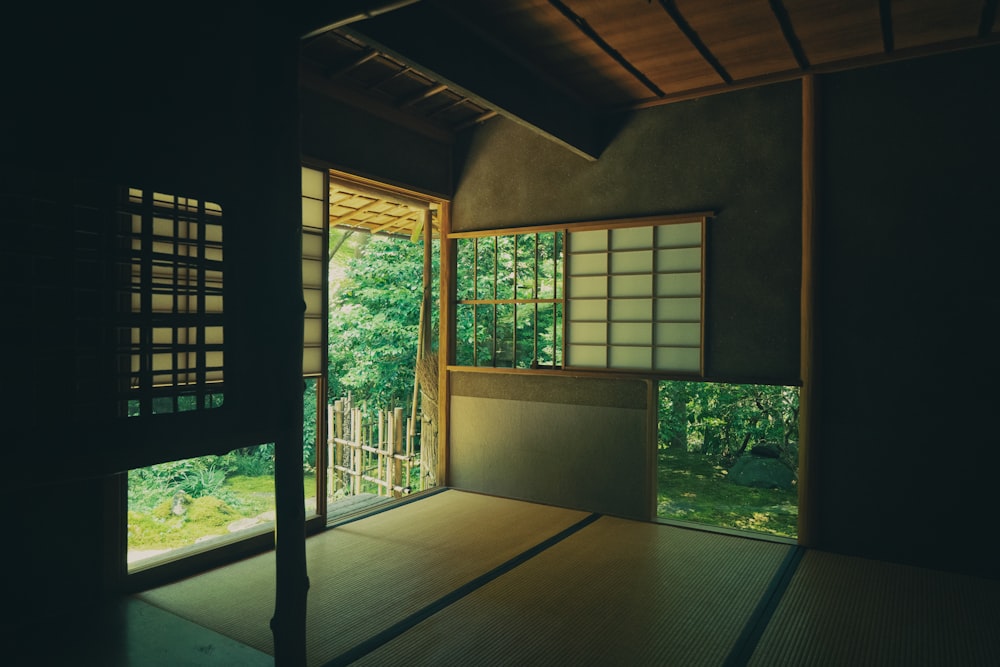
x: 240, y: 497
x: 691, y: 488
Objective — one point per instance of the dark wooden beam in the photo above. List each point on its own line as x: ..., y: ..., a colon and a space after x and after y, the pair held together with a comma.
x: 788, y: 30
x: 593, y: 35
x: 989, y: 17
x: 885, y: 18
x: 670, y: 7
x: 325, y: 17
x: 344, y: 68
x: 433, y: 43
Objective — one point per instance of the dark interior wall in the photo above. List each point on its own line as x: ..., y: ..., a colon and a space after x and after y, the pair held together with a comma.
x: 366, y: 145
x: 180, y: 105
x: 907, y: 311
x: 736, y: 154
x: 199, y: 102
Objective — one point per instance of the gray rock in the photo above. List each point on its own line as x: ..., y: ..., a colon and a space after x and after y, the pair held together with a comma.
x: 762, y: 473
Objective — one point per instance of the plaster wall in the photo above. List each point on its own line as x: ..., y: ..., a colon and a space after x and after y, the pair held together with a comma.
x: 535, y: 438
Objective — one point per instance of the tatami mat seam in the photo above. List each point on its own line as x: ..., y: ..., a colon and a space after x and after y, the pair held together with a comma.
x: 390, y: 633
x: 746, y: 643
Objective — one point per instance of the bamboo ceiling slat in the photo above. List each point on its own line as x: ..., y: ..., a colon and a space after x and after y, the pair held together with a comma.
x: 920, y: 22
x: 745, y: 37
x: 646, y: 36
x: 833, y: 30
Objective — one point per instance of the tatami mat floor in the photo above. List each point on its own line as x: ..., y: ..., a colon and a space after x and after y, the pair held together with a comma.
x: 456, y: 578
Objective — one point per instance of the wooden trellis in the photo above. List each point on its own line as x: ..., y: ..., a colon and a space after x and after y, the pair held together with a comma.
x: 377, y: 449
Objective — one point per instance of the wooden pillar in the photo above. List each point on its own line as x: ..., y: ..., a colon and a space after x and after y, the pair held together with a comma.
x: 446, y: 346
x: 275, y: 179
x: 809, y: 442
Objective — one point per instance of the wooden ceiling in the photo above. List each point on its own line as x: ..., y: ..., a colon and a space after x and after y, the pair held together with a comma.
x: 369, y: 209
x: 556, y: 65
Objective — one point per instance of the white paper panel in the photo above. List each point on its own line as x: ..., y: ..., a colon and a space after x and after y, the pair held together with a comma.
x: 588, y: 241
x: 630, y: 357
x: 626, y: 286
x: 314, y: 301
x: 312, y: 213
x: 632, y: 309
x: 312, y: 183
x: 594, y: 333
x: 312, y: 272
x: 589, y: 356
x: 682, y: 359
x: 588, y: 287
x: 673, y: 236
x: 678, y: 334
x: 678, y: 259
x: 213, y: 303
x: 313, y: 331
x: 632, y: 261
x: 682, y: 310
x: 588, y: 264
x: 631, y: 333
x: 312, y: 360
x: 588, y: 309
x: 312, y: 246
x: 632, y: 237
x: 678, y: 284
x: 213, y: 359
x: 163, y: 362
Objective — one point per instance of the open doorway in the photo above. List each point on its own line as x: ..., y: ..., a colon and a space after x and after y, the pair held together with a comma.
x: 727, y: 456
x: 371, y: 341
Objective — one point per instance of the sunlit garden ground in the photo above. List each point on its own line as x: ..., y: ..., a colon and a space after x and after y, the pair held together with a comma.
x: 177, y: 519
x: 692, y: 488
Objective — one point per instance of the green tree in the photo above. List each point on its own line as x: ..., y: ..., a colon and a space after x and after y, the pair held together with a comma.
x: 725, y: 420
x: 374, y: 322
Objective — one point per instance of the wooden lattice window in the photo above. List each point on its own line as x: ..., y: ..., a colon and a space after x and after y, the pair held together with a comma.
x: 510, y: 300
x: 170, y: 332
x: 624, y: 295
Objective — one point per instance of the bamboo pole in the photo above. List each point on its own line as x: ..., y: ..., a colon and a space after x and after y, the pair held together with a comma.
x: 396, y: 479
x: 357, y: 455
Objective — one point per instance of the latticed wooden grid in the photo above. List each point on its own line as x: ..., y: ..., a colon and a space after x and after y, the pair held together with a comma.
x: 170, y: 328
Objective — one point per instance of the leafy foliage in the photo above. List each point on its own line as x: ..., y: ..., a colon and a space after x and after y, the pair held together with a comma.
x: 703, y: 428
x: 725, y: 420
x: 374, y: 322
x: 523, y: 266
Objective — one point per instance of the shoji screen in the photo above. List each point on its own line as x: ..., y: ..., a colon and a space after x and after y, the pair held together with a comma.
x: 635, y: 298
x: 314, y: 212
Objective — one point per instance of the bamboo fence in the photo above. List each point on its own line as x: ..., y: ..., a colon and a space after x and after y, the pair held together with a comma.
x: 375, y: 447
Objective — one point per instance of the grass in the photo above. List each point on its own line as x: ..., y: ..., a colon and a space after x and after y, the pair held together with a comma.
x: 239, y: 497
x: 691, y: 487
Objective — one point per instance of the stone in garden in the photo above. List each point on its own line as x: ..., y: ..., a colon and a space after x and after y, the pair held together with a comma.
x: 761, y: 473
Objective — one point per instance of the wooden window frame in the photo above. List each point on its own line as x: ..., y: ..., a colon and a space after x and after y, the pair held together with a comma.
x: 565, y: 297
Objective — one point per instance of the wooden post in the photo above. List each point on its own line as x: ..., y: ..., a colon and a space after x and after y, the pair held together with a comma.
x: 396, y: 478
x: 808, y: 446
x: 381, y: 445
x: 338, y: 430
x: 410, y: 425
x: 356, y: 451
x: 446, y: 355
